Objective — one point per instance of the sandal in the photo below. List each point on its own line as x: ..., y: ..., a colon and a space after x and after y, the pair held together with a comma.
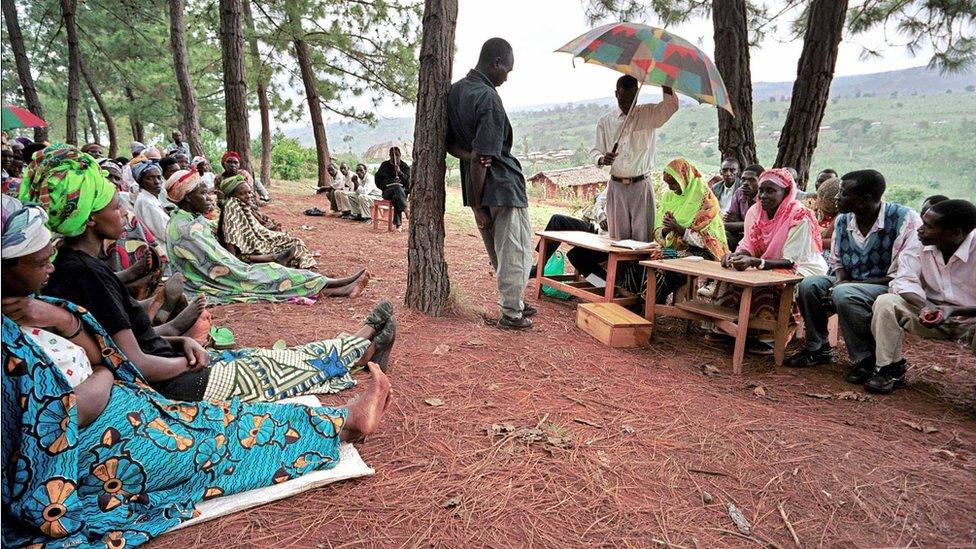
x: 384, y: 344
x: 314, y: 212
x: 222, y: 338
x: 378, y: 317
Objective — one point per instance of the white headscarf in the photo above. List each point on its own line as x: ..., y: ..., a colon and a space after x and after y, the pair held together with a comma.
x: 24, y: 228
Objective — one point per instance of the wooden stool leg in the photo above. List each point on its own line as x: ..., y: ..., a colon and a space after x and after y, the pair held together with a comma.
x: 649, y: 298
x: 540, y: 267
x: 742, y: 330
x: 783, y: 324
x: 374, y: 212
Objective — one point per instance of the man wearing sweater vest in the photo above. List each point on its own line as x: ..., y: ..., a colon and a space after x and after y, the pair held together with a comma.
x: 874, y: 242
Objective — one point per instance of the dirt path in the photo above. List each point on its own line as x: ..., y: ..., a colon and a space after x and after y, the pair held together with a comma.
x: 638, y: 448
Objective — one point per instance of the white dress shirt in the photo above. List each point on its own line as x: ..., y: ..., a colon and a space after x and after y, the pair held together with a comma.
x: 340, y: 183
x: 367, y: 187
x: 635, y: 151
x: 904, y: 251
x: 801, y: 250
x: 150, y: 211
x: 951, y: 283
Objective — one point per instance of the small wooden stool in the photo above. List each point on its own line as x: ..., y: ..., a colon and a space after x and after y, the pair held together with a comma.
x: 384, y: 208
x: 613, y: 325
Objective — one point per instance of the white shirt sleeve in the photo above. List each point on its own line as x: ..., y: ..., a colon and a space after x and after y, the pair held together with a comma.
x: 600, y: 145
x: 799, y: 248
x: 655, y: 115
x: 905, y: 249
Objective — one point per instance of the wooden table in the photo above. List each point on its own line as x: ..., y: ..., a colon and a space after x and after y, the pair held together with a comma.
x: 572, y: 284
x: 734, y: 323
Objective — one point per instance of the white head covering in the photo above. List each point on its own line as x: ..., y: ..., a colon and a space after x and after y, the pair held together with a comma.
x: 24, y: 228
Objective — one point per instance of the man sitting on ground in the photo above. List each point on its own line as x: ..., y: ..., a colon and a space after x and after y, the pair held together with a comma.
x: 873, y: 242
x: 594, y: 220
x: 935, y: 300
x: 361, y: 200
x: 725, y: 188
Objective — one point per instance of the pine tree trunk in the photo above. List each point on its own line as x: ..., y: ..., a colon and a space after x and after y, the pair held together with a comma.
x: 815, y: 71
x: 113, y: 138
x: 235, y: 82
x: 264, y: 105
x: 23, y: 66
x: 428, y: 285
x: 74, y: 72
x: 134, y: 123
x: 735, y: 135
x: 188, y: 99
x: 92, y: 123
x: 322, y: 154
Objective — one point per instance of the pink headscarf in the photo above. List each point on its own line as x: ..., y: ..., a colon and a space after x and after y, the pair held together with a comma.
x: 181, y: 184
x: 765, y: 237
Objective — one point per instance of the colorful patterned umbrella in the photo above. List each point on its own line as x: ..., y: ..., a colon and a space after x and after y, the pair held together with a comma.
x: 16, y: 117
x: 653, y: 56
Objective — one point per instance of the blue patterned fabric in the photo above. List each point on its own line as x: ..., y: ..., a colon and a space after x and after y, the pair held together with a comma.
x: 873, y: 259
x: 140, y: 467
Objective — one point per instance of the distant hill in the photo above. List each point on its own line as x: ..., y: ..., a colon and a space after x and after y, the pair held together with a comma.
x: 916, y: 126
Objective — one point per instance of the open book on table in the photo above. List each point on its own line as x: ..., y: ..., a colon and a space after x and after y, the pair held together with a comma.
x: 634, y: 244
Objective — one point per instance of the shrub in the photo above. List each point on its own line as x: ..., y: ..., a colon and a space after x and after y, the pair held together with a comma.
x: 291, y: 161
x: 908, y: 195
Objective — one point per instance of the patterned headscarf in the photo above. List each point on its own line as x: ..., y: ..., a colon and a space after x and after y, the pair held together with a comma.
x: 230, y: 154
x: 69, y: 185
x: 24, y: 230
x: 764, y: 236
x: 696, y: 209
x: 181, y: 184
x: 111, y: 167
x: 137, y: 148
x: 827, y: 197
x: 139, y: 169
x: 229, y: 184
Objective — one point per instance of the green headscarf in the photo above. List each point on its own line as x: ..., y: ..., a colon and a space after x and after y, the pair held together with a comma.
x: 229, y: 184
x: 69, y: 185
x: 696, y: 208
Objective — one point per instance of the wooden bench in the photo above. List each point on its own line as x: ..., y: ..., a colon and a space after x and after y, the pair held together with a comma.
x: 734, y: 323
x: 382, y: 212
x: 573, y: 284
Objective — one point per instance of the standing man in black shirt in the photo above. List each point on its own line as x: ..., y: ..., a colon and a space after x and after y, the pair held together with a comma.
x: 480, y: 135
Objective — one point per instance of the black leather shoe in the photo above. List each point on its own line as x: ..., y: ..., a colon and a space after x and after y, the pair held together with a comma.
x: 345, y: 215
x: 861, y: 372
x: 888, y: 378
x: 509, y: 323
x: 807, y: 358
x: 528, y: 310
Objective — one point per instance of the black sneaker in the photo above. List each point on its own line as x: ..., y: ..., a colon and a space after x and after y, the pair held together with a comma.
x: 807, y: 358
x: 888, y: 378
x: 528, y: 310
x: 861, y: 372
x: 345, y: 215
x: 508, y: 323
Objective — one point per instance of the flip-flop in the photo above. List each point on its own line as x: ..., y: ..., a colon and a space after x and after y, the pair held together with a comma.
x: 314, y: 212
x: 223, y: 338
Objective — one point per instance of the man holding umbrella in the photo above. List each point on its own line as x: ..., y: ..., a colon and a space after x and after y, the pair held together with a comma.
x: 625, y: 141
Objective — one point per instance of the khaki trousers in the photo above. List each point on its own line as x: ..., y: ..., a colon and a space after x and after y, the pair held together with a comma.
x: 630, y: 210
x: 893, y: 317
x: 510, y: 238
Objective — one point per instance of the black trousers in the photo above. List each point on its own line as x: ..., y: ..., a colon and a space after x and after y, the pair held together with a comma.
x: 396, y: 195
x: 585, y: 261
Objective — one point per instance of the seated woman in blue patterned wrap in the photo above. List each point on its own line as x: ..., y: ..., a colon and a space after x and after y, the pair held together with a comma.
x: 94, y: 456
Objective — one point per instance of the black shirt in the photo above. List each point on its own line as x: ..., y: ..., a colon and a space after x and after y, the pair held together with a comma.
x: 477, y: 122
x: 385, y: 175
x: 90, y: 283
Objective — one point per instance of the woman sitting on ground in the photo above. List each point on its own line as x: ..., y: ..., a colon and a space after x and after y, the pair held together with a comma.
x: 79, y: 200
x: 781, y: 234
x: 244, y: 236
x: 689, y: 221
x: 151, y: 202
x: 231, y: 163
x: 93, y: 455
x: 212, y: 270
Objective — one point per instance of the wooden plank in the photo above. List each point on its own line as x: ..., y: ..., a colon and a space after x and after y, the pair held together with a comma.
x: 714, y: 270
x: 742, y: 329
x: 783, y: 324
x: 710, y: 310
x: 614, y: 314
x: 590, y: 241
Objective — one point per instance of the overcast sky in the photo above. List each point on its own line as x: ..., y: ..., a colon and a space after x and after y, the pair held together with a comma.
x: 535, y: 28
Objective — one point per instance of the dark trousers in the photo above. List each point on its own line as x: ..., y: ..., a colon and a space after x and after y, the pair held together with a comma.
x: 585, y: 261
x: 396, y: 195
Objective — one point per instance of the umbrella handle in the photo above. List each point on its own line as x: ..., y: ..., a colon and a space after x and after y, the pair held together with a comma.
x: 614, y: 150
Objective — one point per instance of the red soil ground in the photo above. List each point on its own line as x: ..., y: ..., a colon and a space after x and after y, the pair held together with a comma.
x: 659, y: 448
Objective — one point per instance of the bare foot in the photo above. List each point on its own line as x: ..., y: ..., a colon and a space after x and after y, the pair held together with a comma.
x: 185, y: 320
x: 357, y: 288
x: 366, y: 410
x: 341, y: 282
x: 287, y: 257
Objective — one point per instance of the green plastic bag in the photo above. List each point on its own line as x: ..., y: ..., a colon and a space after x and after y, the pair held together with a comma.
x: 554, y: 267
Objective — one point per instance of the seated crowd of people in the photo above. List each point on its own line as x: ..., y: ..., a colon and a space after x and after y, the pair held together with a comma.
x: 884, y: 269
x: 117, y: 416
x: 351, y: 196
